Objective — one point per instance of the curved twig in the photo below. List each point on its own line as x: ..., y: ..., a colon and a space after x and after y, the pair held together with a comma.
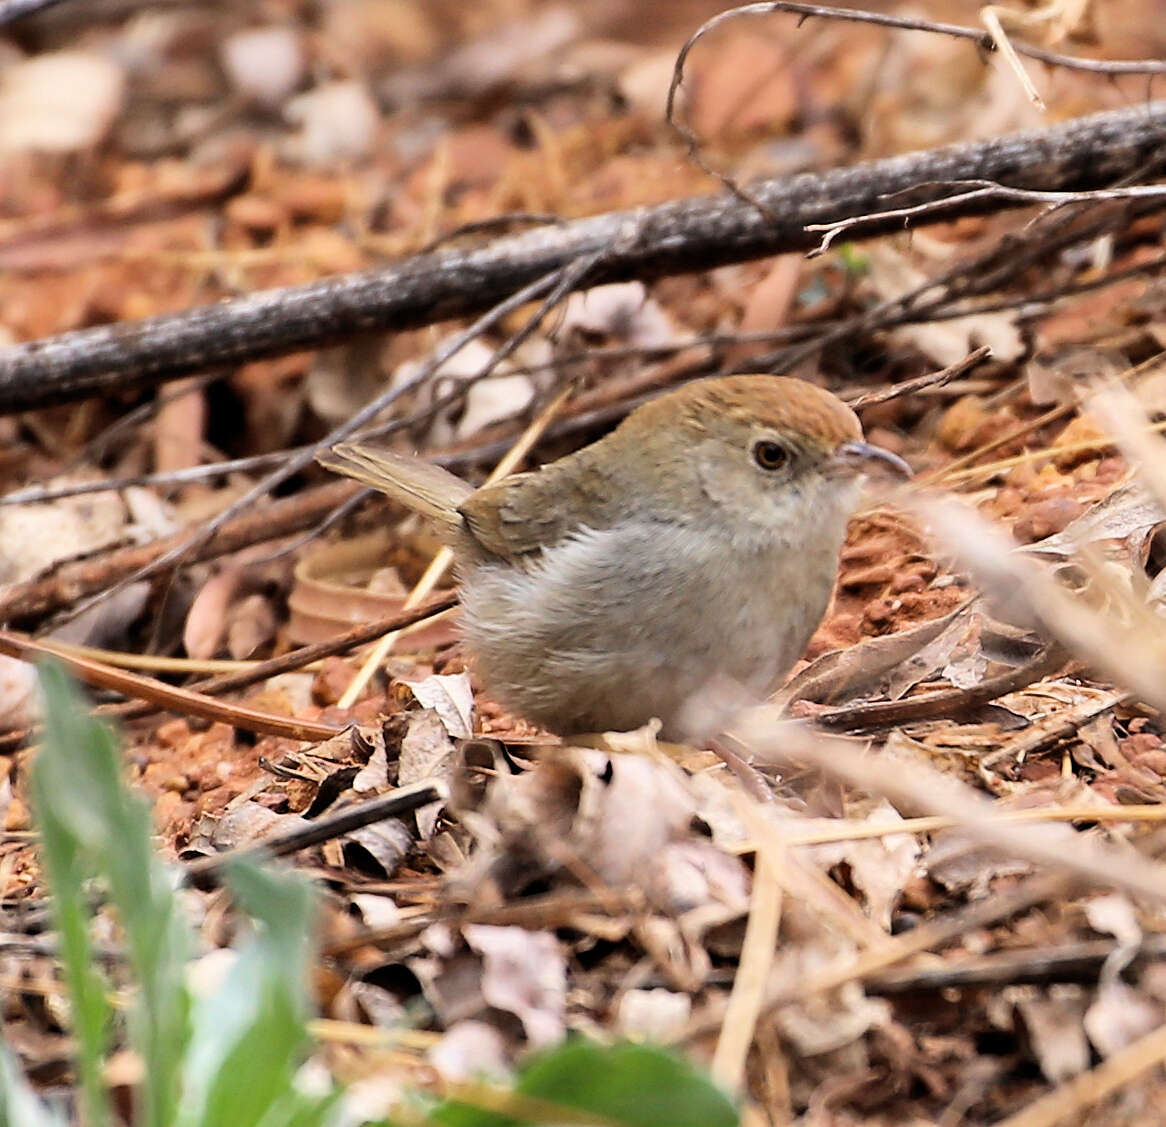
x: 982, y: 38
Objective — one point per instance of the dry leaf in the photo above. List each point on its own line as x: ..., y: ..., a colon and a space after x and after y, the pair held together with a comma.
x: 20, y: 704
x: 59, y: 102
x: 493, y: 401
x: 1119, y: 1016
x: 944, y: 342
x: 451, y: 697
x: 35, y: 537
x: 613, y: 813
x: 337, y: 121
x: 1061, y: 375
x: 623, y: 312
x: 844, y: 674
x: 688, y: 876
x: 386, y: 842
x: 373, y: 777
x: 879, y: 866
x: 178, y: 428
x: 768, y: 307
x: 264, y: 64
x: 427, y: 752
x: 250, y: 822
x: 512, y: 54
x: 252, y: 626
x: 1054, y: 1024
x: 1114, y: 915
x: 471, y: 1050
x: 640, y: 808
x: 375, y: 911
x: 523, y: 973
x: 653, y: 1015
x: 206, y: 621
x: 1128, y: 513
x: 826, y: 1023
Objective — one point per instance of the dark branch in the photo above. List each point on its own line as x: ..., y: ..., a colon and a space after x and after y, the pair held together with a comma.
x: 674, y: 238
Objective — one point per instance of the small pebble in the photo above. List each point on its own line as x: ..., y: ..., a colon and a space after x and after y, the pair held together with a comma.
x: 264, y: 64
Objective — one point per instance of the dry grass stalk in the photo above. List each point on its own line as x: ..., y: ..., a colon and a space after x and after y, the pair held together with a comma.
x: 1065, y: 1105
x: 747, y: 999
x: 925, y: 789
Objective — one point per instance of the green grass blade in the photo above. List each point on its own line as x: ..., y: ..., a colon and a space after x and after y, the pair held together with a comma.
x: 249, y: 1037
x: 83, y: 800
x: 68, y: 860
x: 298, y: 1109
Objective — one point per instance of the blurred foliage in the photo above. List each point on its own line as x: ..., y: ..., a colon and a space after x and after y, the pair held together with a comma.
x: 231, y: 1055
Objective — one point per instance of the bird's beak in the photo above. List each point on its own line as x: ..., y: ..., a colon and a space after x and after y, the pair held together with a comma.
x: 863, y: 457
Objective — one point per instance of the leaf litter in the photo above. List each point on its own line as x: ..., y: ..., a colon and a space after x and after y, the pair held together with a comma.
x: 610, y: 890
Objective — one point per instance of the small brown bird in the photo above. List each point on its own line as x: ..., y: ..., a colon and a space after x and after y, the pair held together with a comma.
x: 693, y: 547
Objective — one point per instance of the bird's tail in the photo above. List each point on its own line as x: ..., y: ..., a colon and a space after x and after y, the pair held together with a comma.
x: 421, y: 486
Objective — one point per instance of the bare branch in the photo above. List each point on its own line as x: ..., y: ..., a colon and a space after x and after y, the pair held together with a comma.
x: 987, y: 40
x: 678, y: 237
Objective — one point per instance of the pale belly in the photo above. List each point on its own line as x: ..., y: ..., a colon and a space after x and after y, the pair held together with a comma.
x: 612, y: 629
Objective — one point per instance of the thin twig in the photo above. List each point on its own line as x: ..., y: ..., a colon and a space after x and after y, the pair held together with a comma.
x: 297, y: 659
x: 935, y: 706
x: 331, y: 520
x: 35, y: 598
x: 925, y: 789
x: 932, y: 379
x: 1067, y: 1103
x: 326, y: 828
x: 182, y: 701
x: 469, y: 455
x: 933, y: 298
x: 758, y: 950
x: 1007, y: 50
x: 37, y: 494
x: 972, y: 190
x: 206, y: 533
x: 683, y: 236
x: 1068, y: 962
x: 492, y: 225
x: 1065, y: 726
x: 98, y: 446
x: 982, y: 38
x: 930, y: 936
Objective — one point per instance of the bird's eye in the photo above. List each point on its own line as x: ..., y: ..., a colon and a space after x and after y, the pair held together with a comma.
x: 770, y: 455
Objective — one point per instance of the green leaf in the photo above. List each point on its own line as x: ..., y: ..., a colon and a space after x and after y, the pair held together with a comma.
x: 636, y: 1085
x: 82, y: 799
x: 249, y: 1037
x: 68, y: 862
x: 855, y: 261
x: 298, y: 1109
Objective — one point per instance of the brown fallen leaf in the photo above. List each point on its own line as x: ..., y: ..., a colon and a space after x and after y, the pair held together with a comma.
x: 206, y: 621
x: 524, y: 973
x: 252, y: 626
x: 842, y: 674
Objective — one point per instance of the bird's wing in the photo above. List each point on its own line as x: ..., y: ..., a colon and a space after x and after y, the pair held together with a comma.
x: 517, y: 515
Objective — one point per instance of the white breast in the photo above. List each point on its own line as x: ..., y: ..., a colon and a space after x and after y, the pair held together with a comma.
x: 613, y: 627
